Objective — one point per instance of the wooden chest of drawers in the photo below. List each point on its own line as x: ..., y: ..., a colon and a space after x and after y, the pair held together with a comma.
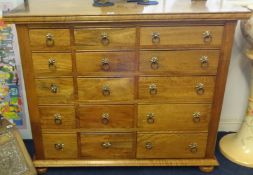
x: 125, y: 88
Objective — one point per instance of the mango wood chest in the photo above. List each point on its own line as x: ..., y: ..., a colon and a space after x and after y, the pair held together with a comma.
x: 126, y: 85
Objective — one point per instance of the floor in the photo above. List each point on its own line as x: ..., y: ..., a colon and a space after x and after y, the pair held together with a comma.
x: 226, y: 168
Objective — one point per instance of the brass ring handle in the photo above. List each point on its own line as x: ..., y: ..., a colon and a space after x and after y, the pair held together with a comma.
x: 193, y: 147
x: 59, y: 146
x: 196, y: 117
x: 106, y: 90
x: 54, y: 88
x: 150, y: 118
x: 155, y: 37
x: 148, y: 145
x: 105, y: 118
x: 105, y: 64
x: 106, y: 145
x: 105, y: 39
x: 49, y: 40
x: 154, y: 63
x: 200, y: 89
x: 152, y: 89
x: 204, y: 61
x: 57, y: 119
x: 51, y: 62
x: 207, y: 36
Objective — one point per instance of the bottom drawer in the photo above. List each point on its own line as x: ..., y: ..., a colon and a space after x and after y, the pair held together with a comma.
x: 107, y: 145
x: 171, y: 145
x: 60, y: 146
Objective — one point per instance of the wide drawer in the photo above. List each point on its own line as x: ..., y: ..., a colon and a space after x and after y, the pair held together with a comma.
x: 107, y: 145
x: 169, y: 146
x: 193, y: 89
x: 105, y: 89
x: 190, y: 117
x: 180, y: 62
x: 60, y: 146
x: 105, y: 62
x: 105, y: 38
x: 57, y: 117
x: 181, y: 36
x: 55, y: 91
x: 48, y: 39
x: 106, y: 116
x: 52, y: 64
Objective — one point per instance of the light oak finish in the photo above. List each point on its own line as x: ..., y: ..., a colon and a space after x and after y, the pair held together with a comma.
x: 206, y: 169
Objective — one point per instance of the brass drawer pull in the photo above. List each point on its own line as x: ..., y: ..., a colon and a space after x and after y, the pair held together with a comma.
x: 204, y: 61
x: 105, y: 118
x: 193, y: 147
x: 105, y: 39
x: 154, y: 63
x: 148, y: 145
x: 155, y: 37
x: 150, y: 118
x: 196, y: 117
x: 49, y: 40
x: 207, y: 37
x: 54, y: 88
x: 51, y: 62
x: 106, y: 145
x: 106, y: 90
x: 59, y: 146
x: 200, y: 89
x: 152, y: 89
x: 57, y: 119
x: 105, y: 64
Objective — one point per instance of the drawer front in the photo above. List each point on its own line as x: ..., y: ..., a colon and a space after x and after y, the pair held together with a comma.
x: 48, y: 39
x: 180, y: 62
x: 105, y: 62
x: 185, y: 36
x: 60, y: 146
x: 106, y: 116
x: 194, y: 89
x: 105, y: 89
x: 107, y: 146
x: 188, y: 117
x: 171, y: 145
x: 55, y: 91
x: 57, y: 117
x: 106, y: 38
x: 52, y: 64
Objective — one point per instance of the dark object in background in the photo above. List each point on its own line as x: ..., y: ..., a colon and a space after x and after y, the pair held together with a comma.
x: 105, y: 3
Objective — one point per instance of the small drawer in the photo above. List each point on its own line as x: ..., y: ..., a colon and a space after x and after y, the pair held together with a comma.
x: 52, y: 64
x: 170, y: 146
x: 180, y: 62
x: 57, y: 117
x: 60, y: 146
x: 180, y: 89
x: 182, y: 36
x: 106, y: 38
x: 187, y: 117
x: 107, y: 145
x: 48, y: 39
x: 105, y: 89
x: 106, y: 116
x: 105, y: 62
x: 55, y: 91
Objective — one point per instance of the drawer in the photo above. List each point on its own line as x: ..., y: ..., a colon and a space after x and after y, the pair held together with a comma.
x: 48, y: 39
x: 107, y: 145
x: 191, y: 89
x: 105, y: 62
x: 55, y: 91
x: 105, y: 89
x: 188, y: 117
x: 180, y: 62
x: 184, y: 36
x: 52, y: 64
x: 170, y: 146
x: 60, y: 146
x: 106, y: 38
x: 106, y: 116
x: 57, y: 117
